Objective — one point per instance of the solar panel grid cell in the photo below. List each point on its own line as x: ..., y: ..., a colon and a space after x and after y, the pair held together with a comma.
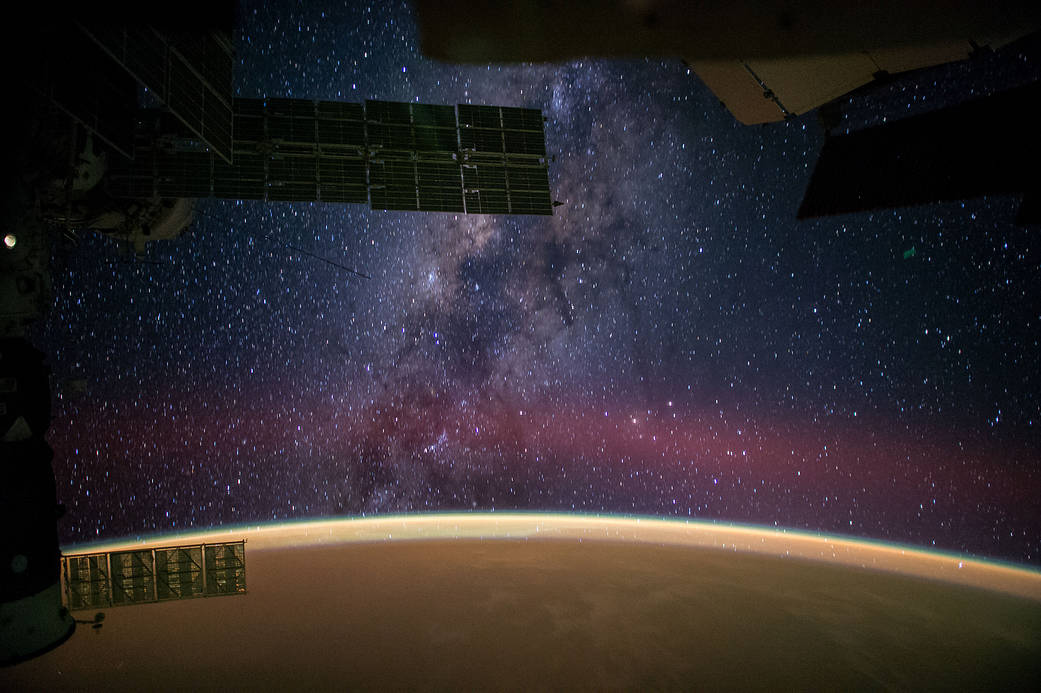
x: 340, y: 111
x: 484, y: 176
x: 530, y: 143
x: 292, y: 191
x: 433, y: 174
x: 132, y: 577
x: 530, y: 202
x: 390, y: 112
x: 340, y: 133
x: 481, y: 140
x: 433, y: 116
x: 183, y: 174
x: 185, y: 96
x: 381, y: 136
x: 521, y: 119
x: 292, y: 169
x: 429, y: 139
x: 441, y: 199
x: 402, y: 200
x: 245, y: 180
x: 248, y: 128
x: 143, y: 53
x: 487, y: 202
x: 527, y: 178
x: 479, y: 116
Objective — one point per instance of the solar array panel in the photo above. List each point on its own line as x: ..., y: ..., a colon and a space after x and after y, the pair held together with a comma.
x: 133, y: 577
x: 471, y: 116
x: 439, y: 186
x: 225, y: 568
x: 528, y: 188
x: 394, y: 155
x: 188, y: 71
x: 506, y: 187
x: 179, y: 573
x: 245, y: 180
x: 501, y: 129
x: 504, y: 170
x: 144, y: 576
x: 87, y: 581
x: 342, y: 179
x: 393, y: 184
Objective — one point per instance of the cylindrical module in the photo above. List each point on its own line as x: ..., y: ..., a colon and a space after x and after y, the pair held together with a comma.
x: 32, y: 617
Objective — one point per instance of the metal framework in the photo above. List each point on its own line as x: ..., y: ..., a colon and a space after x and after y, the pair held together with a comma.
x: 190, y: 72
x: 393, y: 155
x: 145, y: 576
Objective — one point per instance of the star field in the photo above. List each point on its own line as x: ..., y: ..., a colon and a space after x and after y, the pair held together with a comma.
x: 671, y: 342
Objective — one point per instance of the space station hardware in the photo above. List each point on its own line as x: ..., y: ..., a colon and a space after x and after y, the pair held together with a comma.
x: 143, y: 576
x: 765, y: 61
x: 393, y: 155
x: 32, y: 618
x: 198, y: 141
x: 132, y: 121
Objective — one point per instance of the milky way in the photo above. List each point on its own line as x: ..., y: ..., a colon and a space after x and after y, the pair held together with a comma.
x: 671, y: 342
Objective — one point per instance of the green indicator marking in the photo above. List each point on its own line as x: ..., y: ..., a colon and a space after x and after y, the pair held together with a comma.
x: 909, y: 253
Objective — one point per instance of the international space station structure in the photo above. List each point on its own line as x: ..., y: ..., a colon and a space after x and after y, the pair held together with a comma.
x: 200, y: 141
x: 769, y: 61
x: 121, y: 124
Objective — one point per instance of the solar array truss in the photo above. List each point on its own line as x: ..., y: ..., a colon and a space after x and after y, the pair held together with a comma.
x: 394, y: 155
x: 145, y: 576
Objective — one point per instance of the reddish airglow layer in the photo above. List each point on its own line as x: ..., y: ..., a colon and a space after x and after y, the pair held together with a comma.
x: 834, y: 474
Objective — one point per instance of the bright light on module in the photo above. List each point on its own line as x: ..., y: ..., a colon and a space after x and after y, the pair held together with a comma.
x: 10, y: 241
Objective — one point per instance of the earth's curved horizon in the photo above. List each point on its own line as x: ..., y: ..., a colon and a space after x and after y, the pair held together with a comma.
x: 906, y: 559
x: 535, y: 601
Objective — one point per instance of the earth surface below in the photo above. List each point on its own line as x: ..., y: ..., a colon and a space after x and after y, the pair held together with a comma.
x: 462, y: 602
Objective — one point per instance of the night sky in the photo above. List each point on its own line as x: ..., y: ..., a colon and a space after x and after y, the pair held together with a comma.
x: 672, y: 342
